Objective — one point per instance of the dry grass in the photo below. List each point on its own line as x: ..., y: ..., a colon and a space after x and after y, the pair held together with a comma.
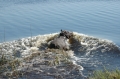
x: 8, y: 66
x: 106, y: 74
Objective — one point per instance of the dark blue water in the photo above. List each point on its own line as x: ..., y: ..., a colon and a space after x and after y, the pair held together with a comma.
x: 23, y: 18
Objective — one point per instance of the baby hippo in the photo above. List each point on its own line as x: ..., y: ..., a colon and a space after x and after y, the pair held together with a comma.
x: 61, y: 42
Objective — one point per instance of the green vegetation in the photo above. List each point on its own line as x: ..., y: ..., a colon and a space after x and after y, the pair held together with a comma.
x: 106, y: 74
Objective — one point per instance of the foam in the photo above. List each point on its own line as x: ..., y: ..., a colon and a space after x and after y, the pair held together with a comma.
x: 88, y: 44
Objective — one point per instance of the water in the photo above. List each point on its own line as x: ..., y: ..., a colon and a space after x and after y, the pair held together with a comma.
x: 100, y: 19
x: 95, y: 18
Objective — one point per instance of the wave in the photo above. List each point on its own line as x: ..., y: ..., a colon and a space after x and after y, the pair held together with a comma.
x: 83, y: 44
x: 91, y: 44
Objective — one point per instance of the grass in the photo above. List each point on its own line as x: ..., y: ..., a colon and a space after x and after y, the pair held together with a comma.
x: 106, y: 74
x: 59, y: 57
x: 31, y: 36
x: 3, y: 60
x: 7, y: 66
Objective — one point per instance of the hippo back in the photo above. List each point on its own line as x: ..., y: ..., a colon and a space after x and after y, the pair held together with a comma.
x: 59, y: 43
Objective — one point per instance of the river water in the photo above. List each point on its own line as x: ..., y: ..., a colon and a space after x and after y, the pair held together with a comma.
x: 97, y: 18
x: 91, y: 17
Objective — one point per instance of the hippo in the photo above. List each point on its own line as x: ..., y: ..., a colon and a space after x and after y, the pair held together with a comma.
x: 66, y: 34
x: 62, y: 41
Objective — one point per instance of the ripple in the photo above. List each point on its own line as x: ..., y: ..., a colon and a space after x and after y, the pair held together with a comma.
x: 97, y: 18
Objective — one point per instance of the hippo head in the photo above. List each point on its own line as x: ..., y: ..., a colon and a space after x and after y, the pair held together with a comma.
x: 67, y: 34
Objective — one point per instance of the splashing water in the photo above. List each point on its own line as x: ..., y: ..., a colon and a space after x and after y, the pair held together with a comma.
x: 90, y: 53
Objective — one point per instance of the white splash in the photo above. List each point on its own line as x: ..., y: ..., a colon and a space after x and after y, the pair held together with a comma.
x: 25, y: 46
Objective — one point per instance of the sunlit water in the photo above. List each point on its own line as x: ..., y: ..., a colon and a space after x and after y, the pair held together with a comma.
x: 96, y: 18
x: 24, y: 18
